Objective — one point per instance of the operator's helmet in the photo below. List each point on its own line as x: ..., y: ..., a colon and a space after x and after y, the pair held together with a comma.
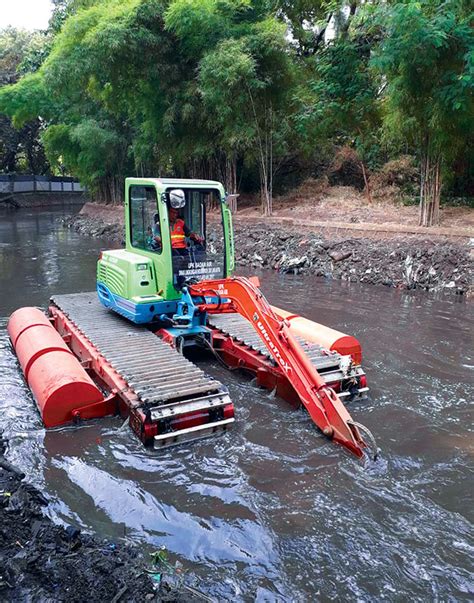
x: 177, y: 198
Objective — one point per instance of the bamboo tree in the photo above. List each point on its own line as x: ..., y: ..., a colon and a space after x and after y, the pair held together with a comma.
x: 200, y: 87
x: 244, y: 75
x: 338, y: 103
x: 426, y: 58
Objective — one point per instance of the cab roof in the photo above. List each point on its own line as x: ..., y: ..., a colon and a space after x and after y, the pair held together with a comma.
x: 186, y: 182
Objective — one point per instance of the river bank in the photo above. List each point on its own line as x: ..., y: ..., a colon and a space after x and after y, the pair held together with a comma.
x: 393, y: 259
x: 40, y: 560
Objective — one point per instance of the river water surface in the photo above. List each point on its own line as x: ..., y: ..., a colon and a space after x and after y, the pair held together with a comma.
x: 271, y: 511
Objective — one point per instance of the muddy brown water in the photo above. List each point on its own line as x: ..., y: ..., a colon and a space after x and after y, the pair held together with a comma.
x: 271, y: 511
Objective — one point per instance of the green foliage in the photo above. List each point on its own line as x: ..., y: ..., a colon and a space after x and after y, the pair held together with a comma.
x: 339, y: 102
x: 88, y: 133
x: 12, y: 44
x: 236, y: 54
x: 25, y: 100
x: 88, y: 148
x: 199, y: 24
x: 426, y: 57
x: 307, y: 22
x: 239, y: 102
x: 22, y: 52
x: 188, y: 87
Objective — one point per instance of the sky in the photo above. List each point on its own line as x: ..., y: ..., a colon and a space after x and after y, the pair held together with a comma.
x: 28, y: 14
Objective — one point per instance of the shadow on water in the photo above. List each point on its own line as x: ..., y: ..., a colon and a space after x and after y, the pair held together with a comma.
x: 272, y: 510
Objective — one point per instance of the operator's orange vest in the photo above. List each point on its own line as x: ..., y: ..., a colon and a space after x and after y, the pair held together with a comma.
x: 178, y: 240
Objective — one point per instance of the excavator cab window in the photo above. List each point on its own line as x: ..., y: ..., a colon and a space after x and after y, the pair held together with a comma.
x: 202, y: 255
x: 144, y: 219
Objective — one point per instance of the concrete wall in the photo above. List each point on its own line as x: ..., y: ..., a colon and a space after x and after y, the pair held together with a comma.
x: 30, y: 184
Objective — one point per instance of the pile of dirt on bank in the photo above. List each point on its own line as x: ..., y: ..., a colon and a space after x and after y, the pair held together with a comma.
x: 403, y: 261
x: 94, y: 226
x: 41, y: 561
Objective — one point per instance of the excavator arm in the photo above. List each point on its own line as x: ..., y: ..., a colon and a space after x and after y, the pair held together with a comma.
x: 240, y: 295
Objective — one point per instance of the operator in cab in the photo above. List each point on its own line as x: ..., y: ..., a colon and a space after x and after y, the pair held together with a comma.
x: 179, y: 231
x: 178, y: 228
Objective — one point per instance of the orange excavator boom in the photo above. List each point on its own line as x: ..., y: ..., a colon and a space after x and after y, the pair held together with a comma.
x: 324, y: 406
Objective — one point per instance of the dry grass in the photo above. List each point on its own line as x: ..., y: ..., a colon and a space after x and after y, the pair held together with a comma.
x: 316, y: 201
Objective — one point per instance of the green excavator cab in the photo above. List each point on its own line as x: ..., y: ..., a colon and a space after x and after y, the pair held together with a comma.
x: 177, y: 231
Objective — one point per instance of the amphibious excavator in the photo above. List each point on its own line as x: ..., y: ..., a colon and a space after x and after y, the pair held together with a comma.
x: 124, y: 348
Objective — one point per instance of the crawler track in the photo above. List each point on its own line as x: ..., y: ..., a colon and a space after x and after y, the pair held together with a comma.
x: 163, y: 382
x: 330, y: 365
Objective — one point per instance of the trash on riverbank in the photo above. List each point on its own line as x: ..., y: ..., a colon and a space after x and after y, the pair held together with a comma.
x: 404, y: 262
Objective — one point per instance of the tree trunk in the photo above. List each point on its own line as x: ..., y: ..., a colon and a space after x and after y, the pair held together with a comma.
x: 430, y: 189
x: 366, y: 182
x: 109, y: 190
x: 265, y: 149
x: 230, y: 179
x: 266, y: 164
x: 265, y: 169
x: 265, y: 195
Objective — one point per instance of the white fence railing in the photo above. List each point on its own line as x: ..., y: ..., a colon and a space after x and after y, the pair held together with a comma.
x: 43, y: 184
